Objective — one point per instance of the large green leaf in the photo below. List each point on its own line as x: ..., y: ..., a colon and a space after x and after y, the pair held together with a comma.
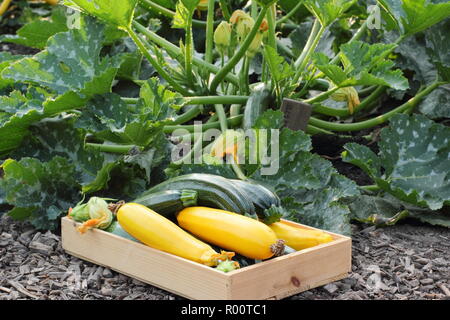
x: 110, y: 118
x: 413, y: 16
x: 6, y: 59
x: 36, y: 33
x: 385, y: 210
x: 41, y: 192
x: 327, y: 11
x: 436, y: 105
x: 309, y: 186
x: 438, y: 47
x: 413, y: 57
x: 364, y: 64
x: 71, y: 62
x: 118, y: 12
x: 51, y: 138
x: 17, y: 112
x: 71, y: 66
x: 413, y: 163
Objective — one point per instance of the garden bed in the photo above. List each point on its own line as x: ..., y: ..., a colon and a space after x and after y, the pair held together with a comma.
x: 89, y: 109
x: 413, y: 261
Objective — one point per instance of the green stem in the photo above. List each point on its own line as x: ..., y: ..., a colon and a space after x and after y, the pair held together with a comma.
x: 239, y: 54
x: 236, y: 168
x: 334, y: 112
x: 243, y: 76
x: 369, y: 101
x: 288, y: 15
x: 188, y: 115
x: 140, y: 44
x: 370, y: 188
x: 271, y: 16
x: 209, y: 42
x: 189, y: 50
x: 367, y: 91
x: 176, y: 51
x: 112, y: 148
x: 224, y: 127
x: 377, y: 120
x: 225, y: 11
x: 310, y: 129
x: 321, y: 97
x: 158, y: 9
x: 312, y: 35
x: 287, y: 26
x: 203, y: 100
x: 220, y: 111
x: 304, y: 58
x: 231, y: 122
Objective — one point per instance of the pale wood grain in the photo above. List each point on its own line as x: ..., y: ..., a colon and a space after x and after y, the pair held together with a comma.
x: 272, y: 279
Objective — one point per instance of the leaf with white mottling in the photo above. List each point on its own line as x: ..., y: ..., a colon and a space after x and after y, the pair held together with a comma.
x: 71, y: 62
x: 17, y: 112
x: 71, y: 66
x: 309, y: 186
x: 39, y: 191
x: 109, y: 117
x: 438, y: 47
x: 436, y: 105
x: 386, y: 210
x: 59, y: 138
x: 414, y: 161
x: 6, y: 59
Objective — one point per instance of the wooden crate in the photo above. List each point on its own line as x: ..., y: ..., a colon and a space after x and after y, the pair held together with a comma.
x: 276, y: 278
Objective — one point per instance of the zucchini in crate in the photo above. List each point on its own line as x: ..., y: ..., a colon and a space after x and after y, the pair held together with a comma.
x: 298, y: 238
x: 168, y: 202
x: 262, y: 197
x: 231, y: 231
x: 160, y: 233
x: 213, y: 191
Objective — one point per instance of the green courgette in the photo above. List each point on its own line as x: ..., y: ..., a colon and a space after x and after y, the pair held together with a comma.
x: 168, y: 202
x: 213, y: 191
x: 267, y: 203
x: 257, y: 103
x: 116, y: 228
x: 262, y: 197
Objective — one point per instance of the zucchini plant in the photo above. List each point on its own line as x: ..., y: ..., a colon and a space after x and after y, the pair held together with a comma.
x: 135, y: 71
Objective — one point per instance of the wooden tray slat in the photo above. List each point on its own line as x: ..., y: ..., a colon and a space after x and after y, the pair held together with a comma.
x: 272, y: 279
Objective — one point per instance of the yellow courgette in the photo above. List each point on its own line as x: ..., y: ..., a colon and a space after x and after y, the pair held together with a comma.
x: 299, y: 238
x: 231, y: 231
x: 160, y: 233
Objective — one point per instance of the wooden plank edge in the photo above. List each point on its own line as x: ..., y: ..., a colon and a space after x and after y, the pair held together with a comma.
x: 68, y: 222
x: 128, y: 274
x: 309, y: 287
x: 263, y: 264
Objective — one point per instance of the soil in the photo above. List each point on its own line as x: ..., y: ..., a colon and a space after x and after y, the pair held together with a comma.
x: 406, y: 261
